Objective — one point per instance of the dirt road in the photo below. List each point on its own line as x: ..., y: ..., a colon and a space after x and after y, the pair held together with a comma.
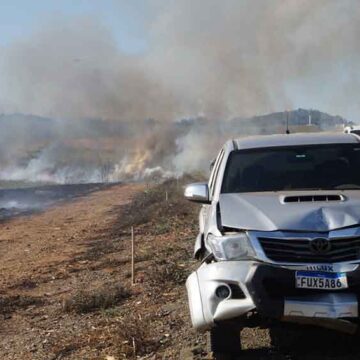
x: 41, y: 262
x: 30, y: 245
x: 65, y: 290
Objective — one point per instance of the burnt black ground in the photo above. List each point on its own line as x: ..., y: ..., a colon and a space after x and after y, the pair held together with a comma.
x: 23, y: 201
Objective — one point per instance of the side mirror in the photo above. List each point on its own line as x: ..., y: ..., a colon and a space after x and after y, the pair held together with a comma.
x: 198, y: 192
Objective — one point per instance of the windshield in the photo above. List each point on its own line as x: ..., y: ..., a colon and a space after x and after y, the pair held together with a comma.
x: 334, y: 166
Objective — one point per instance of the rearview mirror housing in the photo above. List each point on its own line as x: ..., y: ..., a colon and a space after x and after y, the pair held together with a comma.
x: 197, y: 192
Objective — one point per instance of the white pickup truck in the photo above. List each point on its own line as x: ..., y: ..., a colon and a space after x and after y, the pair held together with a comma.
x: 279, y: 236
x: 352, y: 129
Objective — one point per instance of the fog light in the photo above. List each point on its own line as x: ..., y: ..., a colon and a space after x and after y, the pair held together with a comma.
x: 223, y: 292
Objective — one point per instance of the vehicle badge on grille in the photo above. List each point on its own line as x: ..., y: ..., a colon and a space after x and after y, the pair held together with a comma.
x: 320, y: 246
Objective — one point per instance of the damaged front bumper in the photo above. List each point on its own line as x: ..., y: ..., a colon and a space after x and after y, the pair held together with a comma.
x: 270, y: 291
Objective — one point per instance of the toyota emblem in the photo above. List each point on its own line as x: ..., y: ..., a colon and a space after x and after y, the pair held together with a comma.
x: 320, y: 246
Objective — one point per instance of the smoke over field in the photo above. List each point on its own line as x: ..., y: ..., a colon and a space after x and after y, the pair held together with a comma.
x: 42, y: 150
x: 204, y: 60
x: 100, y: 151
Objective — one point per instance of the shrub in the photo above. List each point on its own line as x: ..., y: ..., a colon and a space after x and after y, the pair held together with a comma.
x: 85, y: 301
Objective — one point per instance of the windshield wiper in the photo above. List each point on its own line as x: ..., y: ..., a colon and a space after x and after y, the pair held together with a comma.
x: 347, y: 187
x: 303, y: 189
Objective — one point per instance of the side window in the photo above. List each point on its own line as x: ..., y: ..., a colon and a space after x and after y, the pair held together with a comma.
x: 215, y: 173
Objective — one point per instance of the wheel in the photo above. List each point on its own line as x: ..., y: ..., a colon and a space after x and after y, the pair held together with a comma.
x: 225, y: 342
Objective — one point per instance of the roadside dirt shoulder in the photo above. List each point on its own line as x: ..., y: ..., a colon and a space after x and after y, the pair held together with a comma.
x: 66, y: 292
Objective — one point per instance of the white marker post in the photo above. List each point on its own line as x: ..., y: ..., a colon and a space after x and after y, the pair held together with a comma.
x: 132, y: 256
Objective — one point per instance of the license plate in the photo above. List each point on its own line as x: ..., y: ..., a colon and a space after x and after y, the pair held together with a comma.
x: 320, y: 280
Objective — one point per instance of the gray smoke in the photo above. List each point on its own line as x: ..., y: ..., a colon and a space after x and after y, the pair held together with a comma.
x: 205, y: 58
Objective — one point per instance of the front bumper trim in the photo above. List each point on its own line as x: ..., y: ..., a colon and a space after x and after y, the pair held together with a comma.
x: 232, y: 308
x: 331, y: 306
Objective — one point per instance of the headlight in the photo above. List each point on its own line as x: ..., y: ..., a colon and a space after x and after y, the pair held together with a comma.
x: 231, y: 247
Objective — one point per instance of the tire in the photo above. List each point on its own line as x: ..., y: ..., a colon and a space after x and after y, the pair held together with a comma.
x: 218, y: 356
x: 225, y: 343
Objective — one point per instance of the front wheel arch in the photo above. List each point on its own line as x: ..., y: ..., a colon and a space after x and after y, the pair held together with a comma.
x: 200, y: 251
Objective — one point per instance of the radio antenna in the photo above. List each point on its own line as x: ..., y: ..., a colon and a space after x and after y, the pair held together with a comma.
x: 287, y: 123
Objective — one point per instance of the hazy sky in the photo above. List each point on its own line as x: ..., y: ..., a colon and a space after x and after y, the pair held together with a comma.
x: 175, y: 58
x: 19, y: 18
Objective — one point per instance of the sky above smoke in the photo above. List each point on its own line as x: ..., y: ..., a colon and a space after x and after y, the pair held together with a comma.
x: 200, y: 57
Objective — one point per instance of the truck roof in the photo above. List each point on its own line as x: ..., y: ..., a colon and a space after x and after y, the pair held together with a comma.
x: 263, y: 141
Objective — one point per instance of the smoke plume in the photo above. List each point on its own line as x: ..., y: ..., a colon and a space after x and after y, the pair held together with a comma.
x: 204, y: 58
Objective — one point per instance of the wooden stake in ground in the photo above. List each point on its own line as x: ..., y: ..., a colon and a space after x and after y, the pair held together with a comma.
x: 166, y: 196
x: 132, y: 256
x: 134, y: 346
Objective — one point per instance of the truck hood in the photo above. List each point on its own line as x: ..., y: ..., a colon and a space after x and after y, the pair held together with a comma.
x: 268, y: 212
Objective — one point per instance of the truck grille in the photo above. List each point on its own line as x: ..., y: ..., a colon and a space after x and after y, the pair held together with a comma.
x: 299, y: 251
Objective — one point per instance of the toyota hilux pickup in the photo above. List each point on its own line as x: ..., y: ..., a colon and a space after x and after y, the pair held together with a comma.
x: 279, y: 236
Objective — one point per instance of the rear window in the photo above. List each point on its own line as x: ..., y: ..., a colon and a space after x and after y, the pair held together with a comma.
x: 328, y: 167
